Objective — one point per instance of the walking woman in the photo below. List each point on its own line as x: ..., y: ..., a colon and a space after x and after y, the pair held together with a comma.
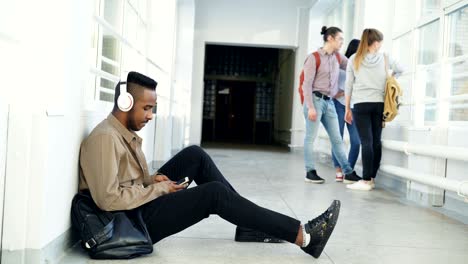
x: 366, y: 74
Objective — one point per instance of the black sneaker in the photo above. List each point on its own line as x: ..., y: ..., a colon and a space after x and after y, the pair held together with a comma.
x: 320, y: 229
x: 351, y: 178
x: 312, y: 177
x: 249, y: 235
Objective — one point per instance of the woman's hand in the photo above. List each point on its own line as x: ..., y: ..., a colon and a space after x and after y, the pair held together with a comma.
x: 348, y: 116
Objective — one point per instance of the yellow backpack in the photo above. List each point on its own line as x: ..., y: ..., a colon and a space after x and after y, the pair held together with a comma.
x: 392, y: 96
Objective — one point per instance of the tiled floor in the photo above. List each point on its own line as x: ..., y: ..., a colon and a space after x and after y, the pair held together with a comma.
x: 374, y: 227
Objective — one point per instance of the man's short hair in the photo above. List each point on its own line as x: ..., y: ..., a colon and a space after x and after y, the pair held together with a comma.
x: 142, y: 80
x: 135, y: 79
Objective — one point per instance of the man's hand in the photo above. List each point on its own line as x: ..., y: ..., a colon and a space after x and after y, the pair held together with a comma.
x: 312, y: 114
x: 173, y: 187
x: 160, y: 178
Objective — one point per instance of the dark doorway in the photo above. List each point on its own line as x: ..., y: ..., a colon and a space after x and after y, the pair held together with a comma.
x: 247, y: 95
x: 235, y: 111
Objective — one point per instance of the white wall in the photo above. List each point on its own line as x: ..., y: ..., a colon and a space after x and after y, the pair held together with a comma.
x: 183, y: 73
x: 284, y: 96
x: 161, y: 49
x: 46, y: 60
x: 258, y: 23
x: 43, y: 131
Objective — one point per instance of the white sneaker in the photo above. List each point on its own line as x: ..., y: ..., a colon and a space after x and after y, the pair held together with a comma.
x: 360, y: 185
x: 372, y: 183
x: 339, y: 177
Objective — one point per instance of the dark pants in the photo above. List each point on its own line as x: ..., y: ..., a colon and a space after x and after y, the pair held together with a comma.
x: 368, y: 118
x: 174, y: 212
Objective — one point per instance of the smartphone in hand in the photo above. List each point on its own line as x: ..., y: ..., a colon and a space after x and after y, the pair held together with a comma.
x: 183, y: 181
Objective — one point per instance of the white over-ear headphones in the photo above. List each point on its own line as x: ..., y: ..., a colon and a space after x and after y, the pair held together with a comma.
x: 125, y: 100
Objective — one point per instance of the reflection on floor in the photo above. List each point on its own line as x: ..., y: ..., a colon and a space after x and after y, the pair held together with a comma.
x: 374, y: 227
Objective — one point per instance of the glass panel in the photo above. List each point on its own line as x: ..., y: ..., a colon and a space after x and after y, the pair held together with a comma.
x: 403, y: 51
x: 430, y: 113
x: 339, y: 16
x: 110, y: 68
x: 106, y: 97
x: 113, y: 13
x: 143, y: 9
x: 107, y: 84
x: 104, y: 83
x: 459, y: 78
x: 459, y: 111
x: 141, y: 36
x: 429, y: 80
x: 459, y: 86
x: 110, y: 46
x: 430, y: 8
x: 131, y: 24
x: 404, y: 15
x: 432, y: 81
x: 429, y: 43
x: 458, y: 43
x: 406, y: 87
x: 449, y: 2
x: 349, y: 23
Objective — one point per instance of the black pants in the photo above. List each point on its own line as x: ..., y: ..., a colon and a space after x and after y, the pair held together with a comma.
x: 368, y: 118
x: 174, y: 212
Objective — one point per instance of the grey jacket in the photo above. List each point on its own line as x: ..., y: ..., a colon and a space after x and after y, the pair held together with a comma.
x: 367, y: 85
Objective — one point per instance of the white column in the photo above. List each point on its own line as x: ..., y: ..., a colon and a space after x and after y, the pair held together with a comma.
x: 298, y: 125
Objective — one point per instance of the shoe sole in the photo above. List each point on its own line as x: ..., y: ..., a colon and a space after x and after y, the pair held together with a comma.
x: 314, y: 181
x: 357, y: 189
x: 349, y: 181
x: 255, y: 236
x: 336, y: 212
x: 339, y: 180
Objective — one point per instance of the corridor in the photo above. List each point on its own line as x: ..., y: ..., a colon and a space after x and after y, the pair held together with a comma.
x: 374, y: 227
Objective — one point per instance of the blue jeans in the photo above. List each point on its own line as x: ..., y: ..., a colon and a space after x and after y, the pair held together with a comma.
x: 326, y: 114
x: 355, y: 142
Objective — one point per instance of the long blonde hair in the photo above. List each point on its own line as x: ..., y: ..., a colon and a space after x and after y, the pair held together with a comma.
x: 369, y: 36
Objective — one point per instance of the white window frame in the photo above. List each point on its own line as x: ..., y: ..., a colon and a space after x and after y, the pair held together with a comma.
x: 95, y: 103
x: 443, y: 98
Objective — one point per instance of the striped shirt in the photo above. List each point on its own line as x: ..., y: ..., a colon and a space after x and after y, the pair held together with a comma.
x: 325, y: 80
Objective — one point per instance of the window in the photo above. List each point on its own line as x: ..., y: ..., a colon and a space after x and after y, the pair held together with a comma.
x: 428, y: 79
x: 459, y: 108
x: 118, y: 44
x: 402, y: 50
x: 342, y: 16
x: 428, y: 71
x: 439, y: 77
x: 458, y: 40
x: 430, y: 8
x: 458, y: 67
x: 429, y: 43
x: 404, y: 15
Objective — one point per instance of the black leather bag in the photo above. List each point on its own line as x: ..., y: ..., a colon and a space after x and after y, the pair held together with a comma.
x: 109, y: 235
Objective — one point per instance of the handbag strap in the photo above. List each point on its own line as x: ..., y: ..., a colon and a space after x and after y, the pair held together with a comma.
x: 100, y: 237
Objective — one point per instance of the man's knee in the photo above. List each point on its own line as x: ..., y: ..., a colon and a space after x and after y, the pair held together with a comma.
x: 194, y: 149
x: 215, y: 188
